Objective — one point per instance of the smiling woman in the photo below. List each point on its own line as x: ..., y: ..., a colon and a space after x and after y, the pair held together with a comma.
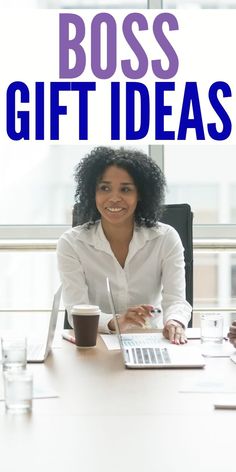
x: 119, y: 194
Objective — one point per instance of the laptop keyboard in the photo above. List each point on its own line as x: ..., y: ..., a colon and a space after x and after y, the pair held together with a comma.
x: 149, y: 355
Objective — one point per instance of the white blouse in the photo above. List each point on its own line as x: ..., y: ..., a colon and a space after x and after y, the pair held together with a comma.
x: 153, y: 273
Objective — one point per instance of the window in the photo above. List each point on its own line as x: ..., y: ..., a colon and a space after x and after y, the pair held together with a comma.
x: 233, y: 276
x: 205, y: 177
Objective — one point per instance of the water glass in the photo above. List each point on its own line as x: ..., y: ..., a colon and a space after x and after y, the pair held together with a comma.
x: 14, y: 352
x: 18, y: 389
x: 212, y: 327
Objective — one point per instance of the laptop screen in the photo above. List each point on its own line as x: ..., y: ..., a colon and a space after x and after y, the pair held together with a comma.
x: 115, y: 316
x: 53, y: 318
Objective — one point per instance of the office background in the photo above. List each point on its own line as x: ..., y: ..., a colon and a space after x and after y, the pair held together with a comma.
x: 37, y: 188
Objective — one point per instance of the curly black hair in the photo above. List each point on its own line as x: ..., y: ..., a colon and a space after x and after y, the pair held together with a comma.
x: 147, y: 176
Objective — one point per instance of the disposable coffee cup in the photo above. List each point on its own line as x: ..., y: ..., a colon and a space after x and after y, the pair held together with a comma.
x: 85, y: 320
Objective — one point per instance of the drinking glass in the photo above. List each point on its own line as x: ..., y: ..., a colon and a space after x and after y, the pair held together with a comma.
x: 18, y: 389
x: 14, y: 352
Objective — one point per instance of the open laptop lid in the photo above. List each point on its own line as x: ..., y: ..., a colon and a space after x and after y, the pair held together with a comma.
x: 113, y: 310
x: 115, y: 317
x: 38, y: 350
x: 53, y: 320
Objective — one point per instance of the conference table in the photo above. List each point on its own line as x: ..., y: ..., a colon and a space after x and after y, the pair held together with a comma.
x: 108, y: 418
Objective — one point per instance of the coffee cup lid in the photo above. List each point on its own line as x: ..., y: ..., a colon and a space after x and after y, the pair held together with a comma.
x: 77, y: 309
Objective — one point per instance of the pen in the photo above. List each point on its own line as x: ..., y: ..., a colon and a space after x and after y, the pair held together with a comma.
x: 68, y: 337
x: 225, y: 406
x: 156, y: 310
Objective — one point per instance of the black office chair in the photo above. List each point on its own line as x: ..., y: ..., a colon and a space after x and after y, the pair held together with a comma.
x: 75, y: 222
x: 179, y: 216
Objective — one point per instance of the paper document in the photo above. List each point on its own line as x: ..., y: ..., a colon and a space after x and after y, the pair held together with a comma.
x: 41, y: 388
x: 110, y: 341
x: 225, y: 349
x: 38, y: 392
x: 208, y: 385
x: 195, y: 333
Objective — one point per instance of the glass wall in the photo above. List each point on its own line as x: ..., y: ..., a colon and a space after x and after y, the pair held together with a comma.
x: 27, y: 279
x: 205, y: 177
x: 40, y: 190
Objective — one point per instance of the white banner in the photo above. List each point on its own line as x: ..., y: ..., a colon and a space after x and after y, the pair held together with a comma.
x: 118, y: 76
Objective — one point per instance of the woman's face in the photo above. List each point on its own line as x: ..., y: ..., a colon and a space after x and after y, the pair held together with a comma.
x: 116, y: 196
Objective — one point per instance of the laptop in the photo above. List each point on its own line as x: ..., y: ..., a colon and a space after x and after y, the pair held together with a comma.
x: 151, y: 350
x: 38, y: 352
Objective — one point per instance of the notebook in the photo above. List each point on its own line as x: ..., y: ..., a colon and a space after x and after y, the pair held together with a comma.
x: 38, y: 352
x: 148, y: 350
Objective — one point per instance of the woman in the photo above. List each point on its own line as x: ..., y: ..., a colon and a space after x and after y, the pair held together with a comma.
x: 120, y: 194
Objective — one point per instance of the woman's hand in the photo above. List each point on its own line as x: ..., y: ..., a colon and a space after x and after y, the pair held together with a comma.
x: 232, y: 333
x: 175, y: 332
x: 135, y: 316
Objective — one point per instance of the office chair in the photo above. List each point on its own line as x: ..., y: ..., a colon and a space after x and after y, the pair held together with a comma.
x: 179, y: 216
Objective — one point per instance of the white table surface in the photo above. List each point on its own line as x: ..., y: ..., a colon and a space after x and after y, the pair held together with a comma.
x: 108, y: 418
